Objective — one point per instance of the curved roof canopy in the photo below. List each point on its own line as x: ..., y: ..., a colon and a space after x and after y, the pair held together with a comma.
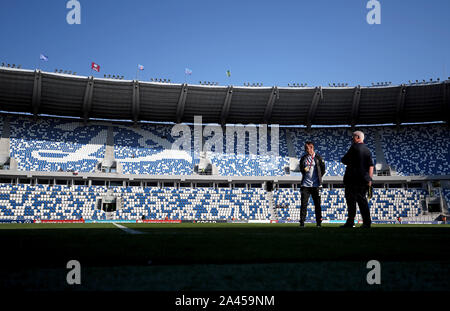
x: 39, y: 92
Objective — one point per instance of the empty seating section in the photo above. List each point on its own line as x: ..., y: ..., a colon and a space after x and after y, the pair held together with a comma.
x: 386, y: 204
x: 331, y: 144
x: 40, y: 202
x: 194, y: 204
x: 146, y: 149
x: 418, y: 150
x: 249, y: 165
x: 49, y: 144
x: 54, y: 144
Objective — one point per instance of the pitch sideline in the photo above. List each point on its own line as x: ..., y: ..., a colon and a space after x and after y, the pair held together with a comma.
x: 127, y: 230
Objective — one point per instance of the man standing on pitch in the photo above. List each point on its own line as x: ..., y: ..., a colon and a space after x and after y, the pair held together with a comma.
x: 357, y: 180
x: 312, y: 168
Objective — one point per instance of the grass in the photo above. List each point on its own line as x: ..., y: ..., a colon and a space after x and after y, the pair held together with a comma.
x: 223, y: 256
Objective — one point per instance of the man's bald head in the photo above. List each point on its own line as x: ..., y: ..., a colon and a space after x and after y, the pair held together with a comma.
x: 358, y: 137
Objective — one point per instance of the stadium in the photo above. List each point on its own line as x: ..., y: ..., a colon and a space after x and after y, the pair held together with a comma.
x: 81, y: 167
x: 62, y: 163
x: 188, y: 187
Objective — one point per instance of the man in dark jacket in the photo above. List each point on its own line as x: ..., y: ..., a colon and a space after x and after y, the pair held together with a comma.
x: 358, y: 179
x: 312, y: 168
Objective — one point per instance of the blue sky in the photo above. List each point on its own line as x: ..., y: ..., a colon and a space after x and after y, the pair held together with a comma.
x: 271, y: 42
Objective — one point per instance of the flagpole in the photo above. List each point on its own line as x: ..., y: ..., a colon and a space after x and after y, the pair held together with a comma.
x: 137, y: 72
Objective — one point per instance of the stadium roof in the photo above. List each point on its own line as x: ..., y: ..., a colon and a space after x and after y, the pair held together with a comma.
x: 39, y: 92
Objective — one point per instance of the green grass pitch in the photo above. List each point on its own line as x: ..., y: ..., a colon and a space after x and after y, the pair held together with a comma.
x: 224, y: 256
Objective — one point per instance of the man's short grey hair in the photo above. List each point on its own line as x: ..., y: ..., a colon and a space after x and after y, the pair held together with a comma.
x: 359, y: 134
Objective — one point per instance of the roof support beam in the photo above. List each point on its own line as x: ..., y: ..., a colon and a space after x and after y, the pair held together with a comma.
x: 181, y: 102
x: 400, y: 105
x: 37, y: 90
x: 87, y: 101
x: 269, y: 107
x: 135, y: 108
x: 226, y: 106
x: 355, y: 106
x: 318, y: 96
x: 446, y: 101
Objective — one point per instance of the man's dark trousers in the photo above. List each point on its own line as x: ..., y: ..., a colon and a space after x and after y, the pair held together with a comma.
x: 357, y: 194
x: 314, y: 192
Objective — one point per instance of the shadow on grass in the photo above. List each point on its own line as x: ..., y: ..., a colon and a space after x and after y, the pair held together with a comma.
x: 189, y: 244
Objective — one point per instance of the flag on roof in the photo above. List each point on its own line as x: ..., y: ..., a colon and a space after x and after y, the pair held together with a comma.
x: 187, y: 71
x: 228, y: 73
x: 43, y: 57
x: 141, y: 67
x: 95, y: 67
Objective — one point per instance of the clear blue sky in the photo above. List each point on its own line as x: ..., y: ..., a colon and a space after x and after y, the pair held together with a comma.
x: 273, y: 42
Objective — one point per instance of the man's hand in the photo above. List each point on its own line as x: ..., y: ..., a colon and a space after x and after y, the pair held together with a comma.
x: 370, y: 183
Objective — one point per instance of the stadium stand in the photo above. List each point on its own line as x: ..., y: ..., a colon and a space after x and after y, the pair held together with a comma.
x: 194, y: 204
x: 146, y: 149
x: 55, y: 144
x: 386, y: 204
x: 331, y: 144
x: 418, y: 149
x: 40, y: 202
x: 34, y: 146
x: 247, y: 164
